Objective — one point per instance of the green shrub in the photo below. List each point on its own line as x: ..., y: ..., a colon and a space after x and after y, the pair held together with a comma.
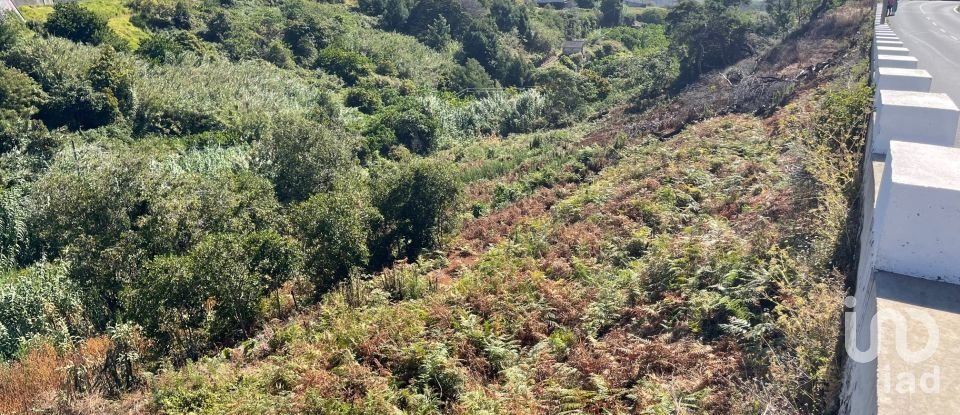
x: 417, y: 201
x: 349, y: 66
x: 333, y: 228
x: 568, y: 92
x: 71, y: 21
x: 652, y: 15
x: 20, y: 95
x: 39, y: 301
x: 302, y: 158
x: 11, y: 30
x: 364, y: 99
x: 278, y: 54
x: 160, y: 48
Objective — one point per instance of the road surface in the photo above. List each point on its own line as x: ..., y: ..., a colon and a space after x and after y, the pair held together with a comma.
x: 7, y: 6
x: 931, y: 30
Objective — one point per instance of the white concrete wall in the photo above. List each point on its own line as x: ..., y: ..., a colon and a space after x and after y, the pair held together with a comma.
x: 892, y: 50
x: 917, y: 227
x: 911, y: 208
x: 896, y: 61
x: 900, y: 79
x: 894, y: 43
x: 921, y: 117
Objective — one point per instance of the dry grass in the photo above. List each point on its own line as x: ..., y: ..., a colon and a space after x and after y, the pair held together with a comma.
x: 45, y: 378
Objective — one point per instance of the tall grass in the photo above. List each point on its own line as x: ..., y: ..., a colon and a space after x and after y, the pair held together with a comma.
x: 200, y: 95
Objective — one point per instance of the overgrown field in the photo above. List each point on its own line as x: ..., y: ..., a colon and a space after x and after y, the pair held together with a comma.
x: 421, y: 207
x: 693, y: 276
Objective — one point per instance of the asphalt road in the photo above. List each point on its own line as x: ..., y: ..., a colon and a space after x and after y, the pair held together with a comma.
x: 931, y: 30
x: 7, y: 6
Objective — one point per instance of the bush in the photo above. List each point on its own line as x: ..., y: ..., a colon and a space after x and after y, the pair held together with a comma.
x: 154, y: 13
x: 11, y: 29
x: 221, y: 267
x: 333, y: 228
x: 568, y: 91
x: 652, y: 15
x: 278, y: 54
x: 160, y: 48
x: 113, y: 78
x: 416, y: 201
x: 408, y: 123
x: 19, y: 95
x: 349, y: 66
x: 364, y: 99
x: 78, y: 24
x: 40, y: 301
x: 302, y: 158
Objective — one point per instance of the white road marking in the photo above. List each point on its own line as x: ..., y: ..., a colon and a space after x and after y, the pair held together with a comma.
x: 954, y: 38
x: 944, y: 31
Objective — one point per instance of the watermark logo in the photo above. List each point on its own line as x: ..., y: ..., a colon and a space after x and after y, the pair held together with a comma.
x: 908, y: 328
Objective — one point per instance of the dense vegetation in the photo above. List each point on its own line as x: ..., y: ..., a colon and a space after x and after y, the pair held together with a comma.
x: 417, y: 206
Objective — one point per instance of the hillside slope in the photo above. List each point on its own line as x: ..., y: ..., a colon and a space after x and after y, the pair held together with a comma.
x: 679, y: 255
x: 703, y: 274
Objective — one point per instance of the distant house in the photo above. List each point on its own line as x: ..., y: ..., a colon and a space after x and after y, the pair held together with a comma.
x: 573, y: 47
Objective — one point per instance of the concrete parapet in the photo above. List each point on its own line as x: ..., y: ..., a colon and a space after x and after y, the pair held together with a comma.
x: 895, y: 43
x: 920, y: 117
x: 896, y: 61
x: 892, y: 50
x: 900, y: 79
x: 917, y: 221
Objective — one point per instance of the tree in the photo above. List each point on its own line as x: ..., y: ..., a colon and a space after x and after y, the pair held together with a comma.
x: 708, y: 36
x: 278, y: 54
x: 426, y: 12
x: 220, y: 265
x: 302, y: 158
x: 470, y: 77
x: 480, y: 43
x: 182, y: 16
x: 567, y: 91
x: 409, y: 124
x: 395, y: 14
x: 168, y: 302
x: 437, y: 34
x: 19, y: 95
x: 365, y: 99
x: 416, y: 200
x: 508, y: 16
x: 78, y: 24
x: 779, y: 11
x: 220, y: 27
x: 348, y: 65
x: 372, y: 7
x: 114, y: 79
x: 333, y: 228
x: 611, y: 13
